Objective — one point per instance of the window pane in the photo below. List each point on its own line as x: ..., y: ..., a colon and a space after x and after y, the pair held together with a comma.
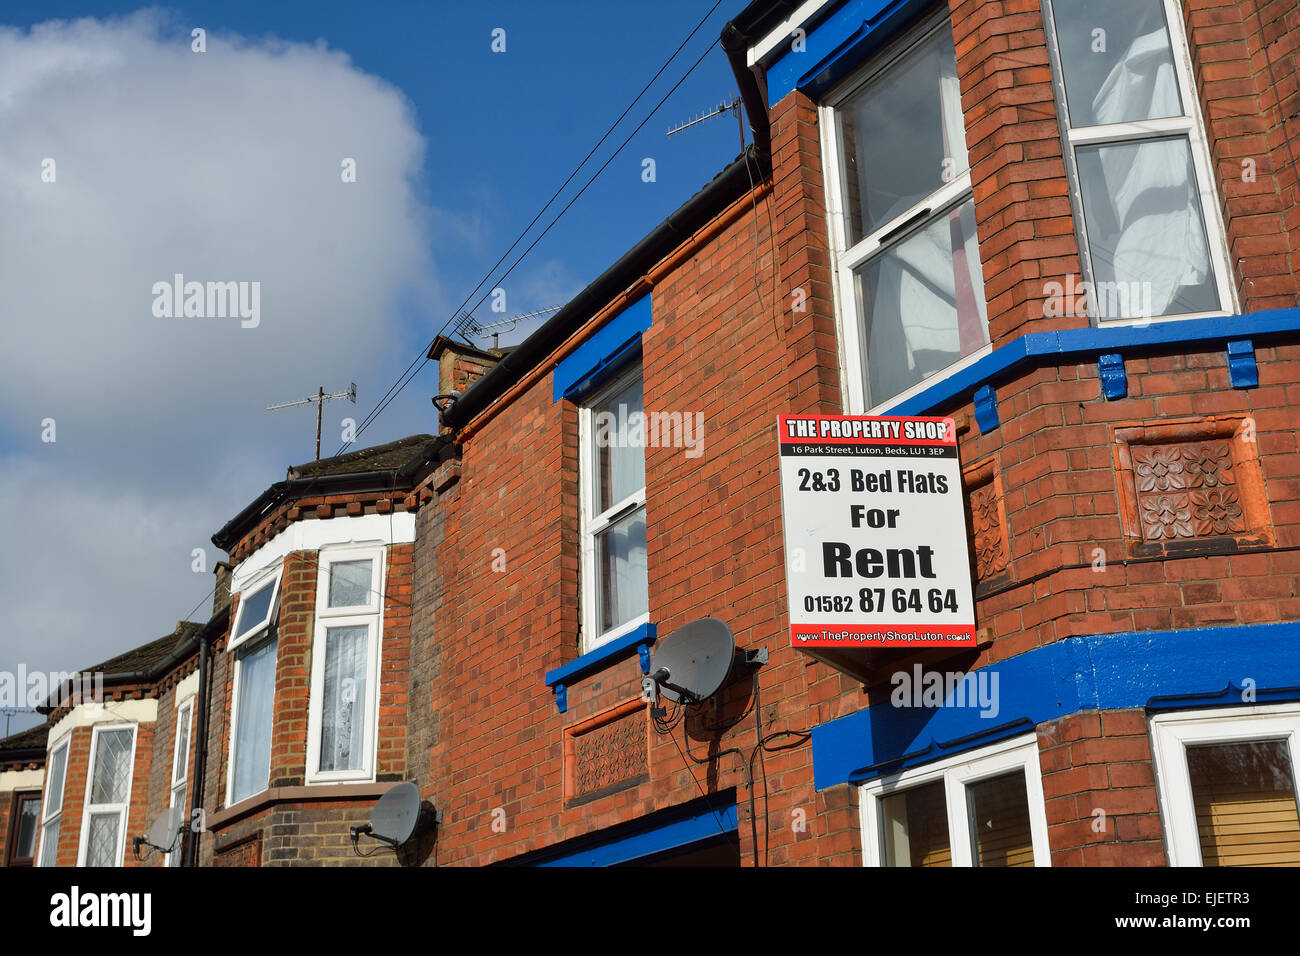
x: 620, y: 560
x: 181, y: 767
x: 50, y: 844
x: 342, y: 716
x: 253, y: 735
x: 112, y: 767
x: 916, y: 827
x: 28, y: 816
x: 999, y: 821
x: 619, y: 455
x: 903, y: 135
x: 178, y: 800
x: 1245, y: 800
x: 1117, y: 61
x: 1146, y: 236
x: 54, y: 794
x: 253, y: 608
x: 922, y: 304
x: 350, y: 583
x: 101, y: 840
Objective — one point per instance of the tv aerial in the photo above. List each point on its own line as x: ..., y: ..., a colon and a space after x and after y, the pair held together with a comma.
x: 692, y: 663
x: 393, y: 820
x: 164, y: 835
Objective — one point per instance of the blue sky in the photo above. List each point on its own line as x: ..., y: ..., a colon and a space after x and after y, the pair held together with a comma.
x: 226, y: 167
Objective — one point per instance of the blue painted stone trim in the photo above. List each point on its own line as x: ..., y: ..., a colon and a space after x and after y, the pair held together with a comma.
x: 1074, y: 345
x: 1114, y: 380
x: 636, y: 640
x: 1242, y: 370
x: 597, y: 359
x: 1149, y: 669
x: 986, y: 409
x: 702, y: 819
x: 838, y: 44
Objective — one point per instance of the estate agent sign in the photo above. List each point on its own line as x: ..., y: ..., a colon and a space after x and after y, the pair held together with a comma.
x: 875, y: 532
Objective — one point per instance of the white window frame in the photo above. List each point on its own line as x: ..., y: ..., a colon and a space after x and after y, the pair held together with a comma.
x: 100, y: 809
x: 370, y: 616
x: 1170, y: 736
x: 180, y: 781
x: 271, y: 575
x: 957, y: 773
x: 1191, y: 125
x: 847, y: 256
x: 234, y: 725
x: 49, y: 818
x: 590, y: 527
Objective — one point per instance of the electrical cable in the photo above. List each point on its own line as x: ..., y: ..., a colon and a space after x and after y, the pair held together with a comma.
x: 414, y: 368
x: 423, y: 355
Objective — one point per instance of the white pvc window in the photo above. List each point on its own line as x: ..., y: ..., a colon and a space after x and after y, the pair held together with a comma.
x: 1146, y: 210
x: 251, y: 713
x: 979, y: 809
x: 257, y: 606
x: 1228, y: 785
x: 615, y: 589
x: 108, y: 795
x: 181, y: 769
x: 343, y: 721
x: 909, y: 285
x: 52, y: 805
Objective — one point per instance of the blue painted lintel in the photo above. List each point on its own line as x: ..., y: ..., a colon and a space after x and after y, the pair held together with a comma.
x: 638, y: 640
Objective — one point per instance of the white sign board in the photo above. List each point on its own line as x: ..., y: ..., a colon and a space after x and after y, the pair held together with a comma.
x: 875, y: 532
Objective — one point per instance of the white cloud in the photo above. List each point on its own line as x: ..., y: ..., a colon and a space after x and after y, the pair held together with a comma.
x: 222, y: 166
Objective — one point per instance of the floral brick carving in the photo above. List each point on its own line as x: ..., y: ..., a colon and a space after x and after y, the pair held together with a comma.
x: 607, y: 753
x: 1190, y: 481
x: 987, y: 532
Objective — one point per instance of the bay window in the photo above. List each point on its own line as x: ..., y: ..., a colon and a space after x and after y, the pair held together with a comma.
x: 254, y: 641
x: 181, y: 770
x: 52, y: 807
x: 615, y: 596
x: 345, y: 664
x: 910, y: 288
x: 979, y: 809
x: 1146, y: 211
x: 1228, y: 785
x: 108, y: 794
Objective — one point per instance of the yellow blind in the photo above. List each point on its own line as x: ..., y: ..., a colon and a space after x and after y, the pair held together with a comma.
x: 1244, y: 793
x: 999, y: 809
x: 916, y: 827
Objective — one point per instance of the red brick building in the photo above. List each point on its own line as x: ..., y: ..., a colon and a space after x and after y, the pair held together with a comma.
x: 1071, y: 227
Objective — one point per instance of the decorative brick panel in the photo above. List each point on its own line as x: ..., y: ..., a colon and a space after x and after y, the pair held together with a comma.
x: 606, y: 753
x: 245, y: 852
x: 990, y: 551
x: 1191, y: 482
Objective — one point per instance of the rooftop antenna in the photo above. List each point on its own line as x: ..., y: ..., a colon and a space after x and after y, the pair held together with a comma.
x: 471, y: 326
x: 320, y: 398
x: 731, y: 105
x: 14, y: 711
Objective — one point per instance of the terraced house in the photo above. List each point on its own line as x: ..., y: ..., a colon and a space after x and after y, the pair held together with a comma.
x: 1070, y: 226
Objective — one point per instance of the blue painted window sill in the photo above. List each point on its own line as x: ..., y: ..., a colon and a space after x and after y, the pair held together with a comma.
x: 638, y: 639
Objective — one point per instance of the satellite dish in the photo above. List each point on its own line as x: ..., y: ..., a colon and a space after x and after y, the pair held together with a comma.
x: 164, y: 834
x: 393, y: 819
x: 692, y: 662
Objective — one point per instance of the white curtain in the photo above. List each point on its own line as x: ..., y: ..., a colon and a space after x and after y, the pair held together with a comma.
x: 1150, y: 184
x: 253, y: 733
x: 623, y: 550
x: 343, y: 716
